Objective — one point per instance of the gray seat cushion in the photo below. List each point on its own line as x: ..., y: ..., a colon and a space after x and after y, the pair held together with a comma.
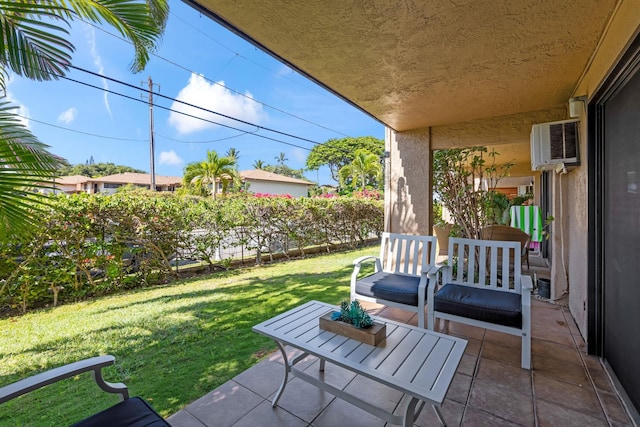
x: 488, y: 305
x: 392, y: 287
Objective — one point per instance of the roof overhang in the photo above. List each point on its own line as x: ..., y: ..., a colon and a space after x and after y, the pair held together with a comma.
x: 430, y: 63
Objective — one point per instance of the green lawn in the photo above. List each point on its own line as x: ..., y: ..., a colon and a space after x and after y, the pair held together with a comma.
x: 173, y: 344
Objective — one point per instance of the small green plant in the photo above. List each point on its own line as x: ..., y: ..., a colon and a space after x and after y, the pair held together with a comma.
x: 547, y: 225
x: 353, y: 314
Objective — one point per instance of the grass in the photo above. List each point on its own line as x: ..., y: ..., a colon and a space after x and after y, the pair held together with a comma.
x: 173, y: 344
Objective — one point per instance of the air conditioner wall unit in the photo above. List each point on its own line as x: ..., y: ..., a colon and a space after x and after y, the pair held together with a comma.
x: 555, y: 143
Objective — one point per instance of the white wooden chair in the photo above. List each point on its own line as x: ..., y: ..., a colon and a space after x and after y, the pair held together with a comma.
x: 400, y: 276
x: 510, y: 234
x: 478, y: 287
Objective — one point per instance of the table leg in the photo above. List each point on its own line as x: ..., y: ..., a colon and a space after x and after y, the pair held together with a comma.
x: 321, y: 365
x: 286, y: 375
x: 440, y: 417
x: 409, y: 412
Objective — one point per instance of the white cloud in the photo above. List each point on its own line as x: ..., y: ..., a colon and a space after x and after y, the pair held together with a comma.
x: 213, y: 97
x: 170, y: 158
x: 68, y: 116
x: 97, y: 61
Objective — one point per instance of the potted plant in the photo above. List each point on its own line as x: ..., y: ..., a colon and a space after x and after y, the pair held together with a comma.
x: 354, y: 322
x: 441, y: 228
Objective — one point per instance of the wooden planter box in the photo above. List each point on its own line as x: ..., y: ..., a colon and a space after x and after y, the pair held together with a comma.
x: 373, y: 335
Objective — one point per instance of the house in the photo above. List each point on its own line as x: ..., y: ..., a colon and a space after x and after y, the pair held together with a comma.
x: 442, y: 75
x: 109, y: 184
x: 260, y: 181
x: 72, y: 184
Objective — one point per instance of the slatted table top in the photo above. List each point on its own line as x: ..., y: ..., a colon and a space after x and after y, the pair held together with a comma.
x: 418, y: 362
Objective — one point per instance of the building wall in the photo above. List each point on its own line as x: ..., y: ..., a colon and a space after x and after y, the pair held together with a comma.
x: 272, y: 187
x: 623, y: 28
x: 569, y: 260
x: 408, y: 187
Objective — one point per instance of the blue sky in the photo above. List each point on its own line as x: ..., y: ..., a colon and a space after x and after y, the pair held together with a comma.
x: 200, y: 63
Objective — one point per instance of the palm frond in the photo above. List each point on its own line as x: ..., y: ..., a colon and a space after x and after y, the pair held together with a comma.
x: 32, y: 43
x: 25, y: 167
x: 140, y: 21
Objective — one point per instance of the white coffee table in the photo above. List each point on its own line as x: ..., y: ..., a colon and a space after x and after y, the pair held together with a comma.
x: 418, y: 362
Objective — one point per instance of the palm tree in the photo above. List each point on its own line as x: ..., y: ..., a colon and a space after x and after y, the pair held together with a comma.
x: 34, y: 37
x: 233, y: 153
x: 208, y: 172
x: 364, y: 168
x: 281, y: 159
x: 258, y: 164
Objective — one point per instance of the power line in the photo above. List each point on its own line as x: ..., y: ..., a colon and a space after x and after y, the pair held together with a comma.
x: 82, y: 132
x: 202, y: 142
x: 226, y: 87
x: 130, y: 139
x: 257, y: 64
x: 187, y: 114
x: 190, y: 105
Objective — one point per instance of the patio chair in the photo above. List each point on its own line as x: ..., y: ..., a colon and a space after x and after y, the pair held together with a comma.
x: 400, y: 275
x: 129, y: 412
x: 510, y: 234
x: 480, y: 287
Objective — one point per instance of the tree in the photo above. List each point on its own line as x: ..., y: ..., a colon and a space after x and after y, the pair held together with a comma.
x: 337, y: 153
x: 365, y: 169
x: 258, y: 164
x: 233, y: 154
x: 463, y: 181
x: 95, y: 170
x: 281, y: 158
x: 286, y: 171
x: 208, y: 172
x: 34, y: 37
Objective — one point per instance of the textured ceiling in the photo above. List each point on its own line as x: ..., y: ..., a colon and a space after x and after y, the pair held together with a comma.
x: 413, y: 64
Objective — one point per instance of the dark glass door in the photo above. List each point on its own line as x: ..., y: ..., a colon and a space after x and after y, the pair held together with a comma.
x: 621, y: 235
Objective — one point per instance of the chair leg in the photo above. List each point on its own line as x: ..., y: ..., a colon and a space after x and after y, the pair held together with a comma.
x: 431, y: 322
x: 526, y: 351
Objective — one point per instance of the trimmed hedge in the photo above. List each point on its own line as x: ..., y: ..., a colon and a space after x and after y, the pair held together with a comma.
x: 90, y: 245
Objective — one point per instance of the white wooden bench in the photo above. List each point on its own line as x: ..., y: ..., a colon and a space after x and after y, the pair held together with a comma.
x: 482, y: 286
x: 400, y: 275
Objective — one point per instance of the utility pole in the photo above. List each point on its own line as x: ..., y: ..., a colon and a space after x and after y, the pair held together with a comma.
x: 152, y: 167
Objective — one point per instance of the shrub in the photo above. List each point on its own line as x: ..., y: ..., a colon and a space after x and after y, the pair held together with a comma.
x: 94, y: 244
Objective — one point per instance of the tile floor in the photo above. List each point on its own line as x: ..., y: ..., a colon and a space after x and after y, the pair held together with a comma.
x: 566, y: 387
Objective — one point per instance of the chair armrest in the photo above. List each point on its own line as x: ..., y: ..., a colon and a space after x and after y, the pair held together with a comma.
x: 526, y: 286
x: 432, y: 276
x: 361, y: 259
x: 358, y: 262
x: 94, y: 364
x: 427, y: 268
x: 434, y: 269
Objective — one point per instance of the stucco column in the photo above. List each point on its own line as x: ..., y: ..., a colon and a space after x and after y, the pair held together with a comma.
x: 408, y: 182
